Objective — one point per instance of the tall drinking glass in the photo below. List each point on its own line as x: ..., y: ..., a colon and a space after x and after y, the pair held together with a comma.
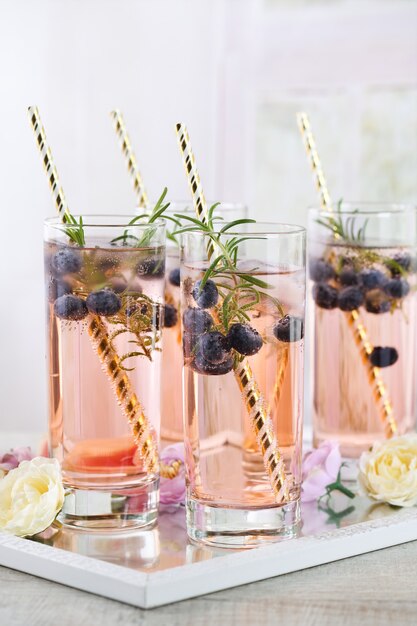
x: 243, y: 345
x: 105, y: 287
x: 171, y: 407
x: 362, y: 261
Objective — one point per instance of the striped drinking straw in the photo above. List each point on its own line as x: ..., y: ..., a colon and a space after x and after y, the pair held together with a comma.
x: 353, y: 318
x: 172, y: 470
x: 141, y: 429
x: 132, y: 166
x: 254, y: 403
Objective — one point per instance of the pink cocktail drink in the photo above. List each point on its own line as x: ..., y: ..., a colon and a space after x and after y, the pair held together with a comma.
x: 229, y: 496
x: 375, y: 278
x: 115, y: 290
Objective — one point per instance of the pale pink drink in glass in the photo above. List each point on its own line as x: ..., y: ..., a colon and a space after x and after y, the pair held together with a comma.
x: 171, y: 402
x: 368, y: 267
x: 114, y: 282
x: 231, y: 321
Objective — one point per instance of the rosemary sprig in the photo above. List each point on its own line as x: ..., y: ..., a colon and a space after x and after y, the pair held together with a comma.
x: 158, y: 211
x: 240, y: 291
x: 344, y: 229
x: 74, y: 229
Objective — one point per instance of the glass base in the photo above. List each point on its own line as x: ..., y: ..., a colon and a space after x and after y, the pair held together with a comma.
x: 241, y: 528
x: 117, y: 508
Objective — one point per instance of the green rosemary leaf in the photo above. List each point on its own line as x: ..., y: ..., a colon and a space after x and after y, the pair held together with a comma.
x: 156, y: 214
x: 210, y: 212
x: 209, y: 271
x: 194, y: 220
x: 236, y: 223
x: 137, y: 218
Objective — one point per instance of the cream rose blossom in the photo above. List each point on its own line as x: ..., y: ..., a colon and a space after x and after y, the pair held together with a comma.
x: 31, y: 496
x: 388, y: 472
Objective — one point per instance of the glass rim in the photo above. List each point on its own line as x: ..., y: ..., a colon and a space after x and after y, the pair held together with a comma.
x: 380, y: 209
x: 267, y: 228
x: 57, y: 222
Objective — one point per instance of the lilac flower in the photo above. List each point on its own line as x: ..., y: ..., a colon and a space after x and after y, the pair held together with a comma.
x: 10, y: 460
x: 320, y: 467
x: 172, y: 490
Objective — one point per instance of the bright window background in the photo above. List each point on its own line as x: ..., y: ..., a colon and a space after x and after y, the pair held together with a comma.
x: 235, y: 71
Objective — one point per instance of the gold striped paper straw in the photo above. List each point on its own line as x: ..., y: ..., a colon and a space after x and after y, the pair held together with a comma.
x: 132, y: 166
x: 255, y: 405
x: 48, y: 163
x: 171, y: 470
x: 380, y: 390
x: 127, y: 399
x: 141, y: 429
x: 312, y: 154
x: 353, y: 318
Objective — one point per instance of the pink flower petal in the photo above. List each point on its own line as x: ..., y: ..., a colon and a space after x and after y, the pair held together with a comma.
x: 320, y: 468
x: 12, y: 459
x: 333, y: 462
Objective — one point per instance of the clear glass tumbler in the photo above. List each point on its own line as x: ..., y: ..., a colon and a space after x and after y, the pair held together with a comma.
x: 243, y: 348
x: 105, y: 288
x: 362, y: 263
x: 171, y: 402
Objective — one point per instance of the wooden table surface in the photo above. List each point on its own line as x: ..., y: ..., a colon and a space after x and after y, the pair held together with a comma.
x: 369, y: 590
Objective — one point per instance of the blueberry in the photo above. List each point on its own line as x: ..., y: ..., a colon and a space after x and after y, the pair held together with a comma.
x: 371, y: 279
x: 170, y: 316
x: 57, y: 288
x: 289, y: 329
x: 325, y: 296
x: 214, y: 347
x: 151, y: 268
x: 320, y: 271
x: 244, y: 339
x: 174, y: 277
x: 397, y: 288
x: 107, y: 263
x: 66, y: 261
x: 69, y: 307
x: 202, y: 366
x: 348, y: 278
x: 207, y: 296
x: 376, y: 302
x: 197, y: 321
x: 400, y: 261
x: 383, y: 357
x: 350, y: 298
x: 103, y: 302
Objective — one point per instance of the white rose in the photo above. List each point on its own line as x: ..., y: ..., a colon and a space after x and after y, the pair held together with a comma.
x: 31, y: 496
x: 388, y: 472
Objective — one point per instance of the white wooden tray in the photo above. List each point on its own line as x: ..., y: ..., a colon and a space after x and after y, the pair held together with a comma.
x: 156, y: 567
